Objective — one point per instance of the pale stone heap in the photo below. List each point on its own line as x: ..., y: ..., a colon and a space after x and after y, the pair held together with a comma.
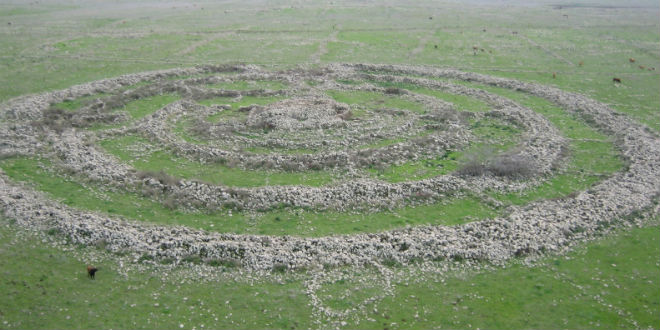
x: 306, y: 119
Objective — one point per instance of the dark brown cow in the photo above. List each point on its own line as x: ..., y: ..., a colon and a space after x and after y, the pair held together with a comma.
x: 91, y: 271
x: 616, y: 80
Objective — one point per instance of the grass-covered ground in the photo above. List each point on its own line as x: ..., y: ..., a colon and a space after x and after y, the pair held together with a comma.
x: 612, y: 282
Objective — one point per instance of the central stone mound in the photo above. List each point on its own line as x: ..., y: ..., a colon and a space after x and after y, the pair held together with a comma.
x: 305, y: 112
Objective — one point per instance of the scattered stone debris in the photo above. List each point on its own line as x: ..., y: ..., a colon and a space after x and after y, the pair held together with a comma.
x: 544, y: 226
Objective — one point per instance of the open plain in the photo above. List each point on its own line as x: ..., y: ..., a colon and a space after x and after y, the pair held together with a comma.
x: 348, y: 164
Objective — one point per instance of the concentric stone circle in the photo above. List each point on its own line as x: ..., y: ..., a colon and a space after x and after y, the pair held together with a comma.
x: 541, y: 226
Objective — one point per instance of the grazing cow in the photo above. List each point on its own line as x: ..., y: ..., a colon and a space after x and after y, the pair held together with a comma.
x: 435, y: 46
x: 642, y: 67
x: 631, y: 60
x: 581, y: 63
x: 554, y: 75
x: 91, y: 271
x: 475, y: 49
x: 616, y: 80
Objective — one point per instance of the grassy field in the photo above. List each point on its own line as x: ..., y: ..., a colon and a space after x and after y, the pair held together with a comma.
x: 611, y: 282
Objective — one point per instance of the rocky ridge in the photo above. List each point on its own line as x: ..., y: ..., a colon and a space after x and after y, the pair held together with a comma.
x: 548, y: 225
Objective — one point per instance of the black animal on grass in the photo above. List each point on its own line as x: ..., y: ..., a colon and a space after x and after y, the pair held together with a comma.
x: 91, y: 270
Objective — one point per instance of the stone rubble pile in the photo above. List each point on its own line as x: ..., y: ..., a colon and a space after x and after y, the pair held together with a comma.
x: 540, y: 144
x: 548, y: 225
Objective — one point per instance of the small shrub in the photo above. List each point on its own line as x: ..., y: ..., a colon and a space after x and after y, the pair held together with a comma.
x: 511, y: 166
x: 472, y: 168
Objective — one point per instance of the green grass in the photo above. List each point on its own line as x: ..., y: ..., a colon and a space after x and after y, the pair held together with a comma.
x: 374, y: 100
x: 372, y: 46
x: 54, y: 286
x: 584, y: 289
x: 280, y: 221
x: 137, y: 109
x: 591, y: 162
x: 491, y: 134
x: 180, y: 167
x: 181, y: 130
x: 148, y: 105
x: 593, y: 156
x: 153, y: 46
x: 75, y: 104
x: 495, y: 131
x: 253, y: 48
x: 95, y: 198
x: 636, y: 97
x: 462, y: 102
x: 572, y: 292
x: 53, y: 47
x: 418, y: 170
